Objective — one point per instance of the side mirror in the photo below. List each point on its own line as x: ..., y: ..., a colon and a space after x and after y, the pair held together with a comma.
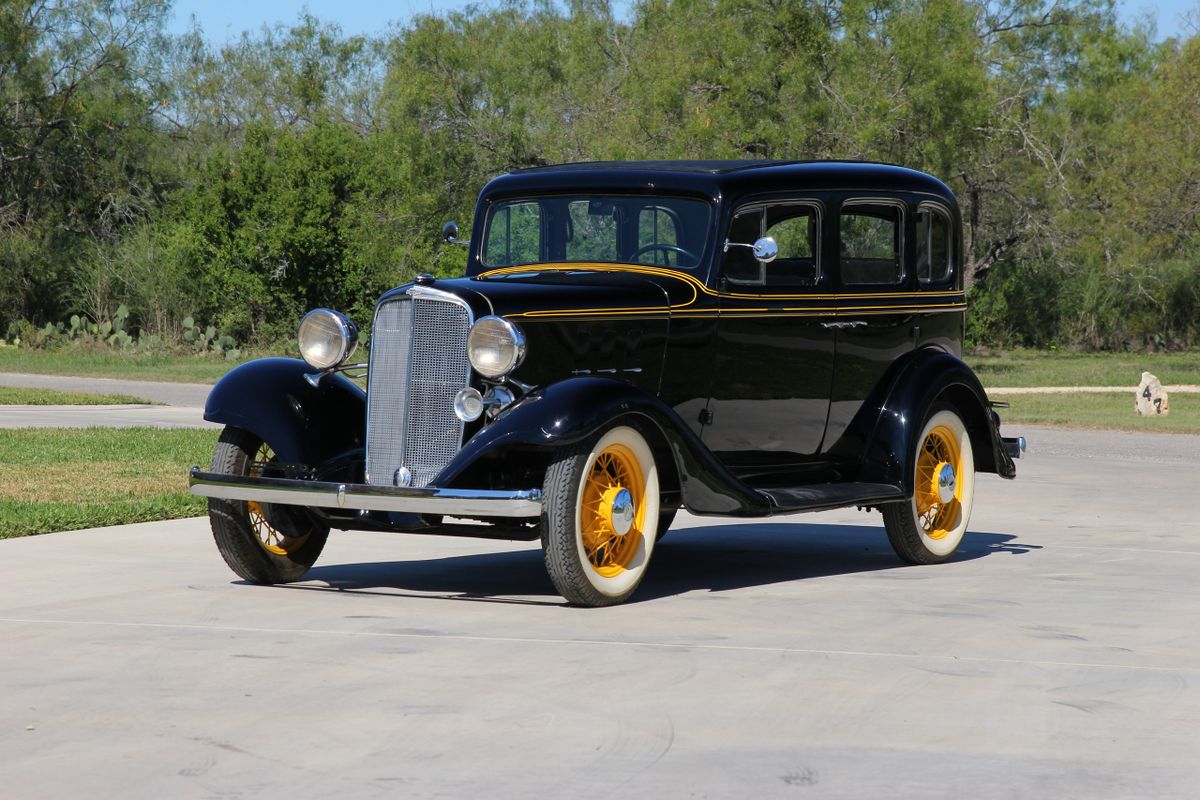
x: 765, y: 249
x: 450, y: 234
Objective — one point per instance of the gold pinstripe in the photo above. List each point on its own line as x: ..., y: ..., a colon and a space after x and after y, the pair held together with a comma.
x: 700, y: 313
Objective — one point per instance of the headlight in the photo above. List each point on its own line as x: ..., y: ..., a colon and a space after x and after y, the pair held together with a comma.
x: 495, y: 347
x: 327, y: 338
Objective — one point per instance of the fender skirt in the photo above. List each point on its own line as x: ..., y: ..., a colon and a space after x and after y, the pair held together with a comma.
x: 572, y: 410
x: 303, y: 424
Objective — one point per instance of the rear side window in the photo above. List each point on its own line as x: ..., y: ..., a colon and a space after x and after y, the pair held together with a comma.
x: 870, y: 244
x: 935, y: 260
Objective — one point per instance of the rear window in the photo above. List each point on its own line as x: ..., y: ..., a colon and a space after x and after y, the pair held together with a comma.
x: 935, y: 260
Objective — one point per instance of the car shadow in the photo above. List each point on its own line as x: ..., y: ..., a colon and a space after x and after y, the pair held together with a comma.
x: 715, y: 558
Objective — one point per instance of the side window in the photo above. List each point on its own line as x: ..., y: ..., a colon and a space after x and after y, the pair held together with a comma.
x: 870, y: 244
x: 592, y: 231
x: 515, y: 235
x: 935, y: 262
x: 795, y: 227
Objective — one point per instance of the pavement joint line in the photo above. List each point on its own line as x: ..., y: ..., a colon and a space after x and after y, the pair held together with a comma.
x: 1124, y: 549
x: 602, y: 642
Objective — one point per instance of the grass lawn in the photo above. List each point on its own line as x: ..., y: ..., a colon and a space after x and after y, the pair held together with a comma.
x: 1105, y: 410
x: 132, y: 475
x: 1043, y: 368
x: 184, y: 368
x: 18, y: 396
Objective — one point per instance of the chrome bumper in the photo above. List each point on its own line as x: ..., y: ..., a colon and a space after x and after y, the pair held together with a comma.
x: 1014, y: 446
x: 361, y: 496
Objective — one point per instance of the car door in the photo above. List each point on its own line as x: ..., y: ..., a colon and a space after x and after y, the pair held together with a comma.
x: 774, y: 356
x: 877, y: 311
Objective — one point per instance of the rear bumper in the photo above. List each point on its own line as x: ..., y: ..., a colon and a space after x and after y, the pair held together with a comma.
x: 1014, y: 446
x: 360, y: 496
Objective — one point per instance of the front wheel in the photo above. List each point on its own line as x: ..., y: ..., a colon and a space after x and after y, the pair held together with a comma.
x: 260, y: 542
x: 929, y: 527
x: 600, y: 514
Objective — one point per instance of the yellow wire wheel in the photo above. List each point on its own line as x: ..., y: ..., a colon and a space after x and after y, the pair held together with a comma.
x: 270, y: 538
x: 610, y: 539
x: 600, y: 517
x: 261, y: 543
x: 929, y: 528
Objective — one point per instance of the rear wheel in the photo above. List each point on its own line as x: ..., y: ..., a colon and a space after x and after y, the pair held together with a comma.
x: 929, y: 527
x: 262, y: 543
x: 600, y: 514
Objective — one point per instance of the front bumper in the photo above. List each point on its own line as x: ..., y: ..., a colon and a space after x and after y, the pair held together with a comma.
x: 365, y: 497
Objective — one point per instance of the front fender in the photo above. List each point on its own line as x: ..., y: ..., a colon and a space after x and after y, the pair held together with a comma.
x: 303, y: 424
x: 572, y: 410
x: 927, y: 376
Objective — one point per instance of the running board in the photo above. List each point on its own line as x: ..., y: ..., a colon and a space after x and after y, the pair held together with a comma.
x: 825, y: 496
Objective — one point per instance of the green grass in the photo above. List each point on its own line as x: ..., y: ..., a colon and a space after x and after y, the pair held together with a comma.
x: 183, y: 368
x: 1107, y: 410
x: 20, y: 396
x: 1042, y: 368
x: 56, y: 479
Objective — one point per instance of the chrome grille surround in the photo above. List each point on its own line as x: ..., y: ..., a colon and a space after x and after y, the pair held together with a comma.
x: 418, y: 364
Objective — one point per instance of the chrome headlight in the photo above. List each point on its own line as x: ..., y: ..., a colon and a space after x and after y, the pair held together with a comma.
x: 327, y: 338
x: 495, y: 347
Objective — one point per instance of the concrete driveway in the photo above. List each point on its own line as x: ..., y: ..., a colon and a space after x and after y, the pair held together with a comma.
x: 181, y: 405
x: 1057, y: 656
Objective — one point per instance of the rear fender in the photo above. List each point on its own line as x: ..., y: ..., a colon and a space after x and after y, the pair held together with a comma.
x: 570, y: 411
x: 303, y: 424
x: 927, y: 377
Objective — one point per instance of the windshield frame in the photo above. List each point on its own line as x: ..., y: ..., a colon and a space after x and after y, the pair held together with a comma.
x: 644, y: 199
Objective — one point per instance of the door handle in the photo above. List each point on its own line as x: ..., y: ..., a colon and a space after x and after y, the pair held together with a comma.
x: 857, y: 323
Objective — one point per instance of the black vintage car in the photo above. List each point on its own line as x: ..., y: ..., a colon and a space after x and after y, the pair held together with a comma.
x: 746, y: 339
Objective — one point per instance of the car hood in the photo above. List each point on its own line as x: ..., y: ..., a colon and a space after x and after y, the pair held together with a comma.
x: 583, y: 319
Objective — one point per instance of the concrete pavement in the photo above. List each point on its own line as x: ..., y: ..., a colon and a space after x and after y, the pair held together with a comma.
x: 182, y: 404
x: 172, y: 394
x: 1056, y: 656
x: 120, y: 416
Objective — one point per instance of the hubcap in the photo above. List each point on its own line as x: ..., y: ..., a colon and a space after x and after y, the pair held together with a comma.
x: 621, y: 511
x: 945, y: 482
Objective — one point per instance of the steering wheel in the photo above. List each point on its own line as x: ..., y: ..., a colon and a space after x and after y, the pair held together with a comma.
x: 665, y: 248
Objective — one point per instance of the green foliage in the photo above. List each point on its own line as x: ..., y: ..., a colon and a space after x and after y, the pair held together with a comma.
x: 296, y: 166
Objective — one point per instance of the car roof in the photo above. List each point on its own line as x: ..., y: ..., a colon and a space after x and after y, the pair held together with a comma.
x: 728, y: 179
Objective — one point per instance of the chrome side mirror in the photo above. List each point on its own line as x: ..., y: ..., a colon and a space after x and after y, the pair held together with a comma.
x: 450, y: 234
x: 765, y: 249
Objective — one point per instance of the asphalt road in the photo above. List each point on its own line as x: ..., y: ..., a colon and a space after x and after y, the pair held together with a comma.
x: 1057, y: 656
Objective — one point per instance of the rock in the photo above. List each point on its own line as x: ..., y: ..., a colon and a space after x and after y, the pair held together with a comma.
x: 1151, y: 397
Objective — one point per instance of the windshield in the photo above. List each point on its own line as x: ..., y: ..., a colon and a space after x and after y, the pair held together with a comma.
x: 667, y: 231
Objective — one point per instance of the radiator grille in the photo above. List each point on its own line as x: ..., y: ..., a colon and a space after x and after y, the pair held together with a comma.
x: 418, y: 363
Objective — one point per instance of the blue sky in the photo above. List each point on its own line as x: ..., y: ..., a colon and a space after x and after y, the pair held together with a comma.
x: 222, y: 20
